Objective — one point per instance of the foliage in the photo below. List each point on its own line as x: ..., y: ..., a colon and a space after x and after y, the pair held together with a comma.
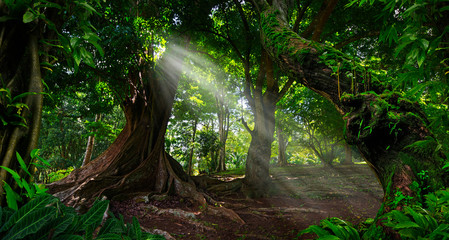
x: 58, y: 175
x: 45, y: 217
x: 27, y: 190
x: 11, y: 108
x: 412, y: 222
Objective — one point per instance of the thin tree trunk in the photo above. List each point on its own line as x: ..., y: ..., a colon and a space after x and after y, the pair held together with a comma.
x: 90, y: 144
x: 348, y: 155
x: 189, y: 167
x: 282, y: 146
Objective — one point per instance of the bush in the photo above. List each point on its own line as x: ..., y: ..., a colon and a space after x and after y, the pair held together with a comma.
x: 413, y: 222
x: 45, y: 217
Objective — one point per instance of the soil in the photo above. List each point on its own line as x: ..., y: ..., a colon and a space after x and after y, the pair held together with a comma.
x: 302, y: 196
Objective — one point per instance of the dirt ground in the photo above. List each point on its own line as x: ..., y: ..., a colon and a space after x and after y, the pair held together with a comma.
x: 303, y: 196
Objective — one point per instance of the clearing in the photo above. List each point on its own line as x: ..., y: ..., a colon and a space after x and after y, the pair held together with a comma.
x: 302, y: 196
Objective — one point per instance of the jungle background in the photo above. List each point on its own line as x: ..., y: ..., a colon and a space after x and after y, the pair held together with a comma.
x: 225, y: 119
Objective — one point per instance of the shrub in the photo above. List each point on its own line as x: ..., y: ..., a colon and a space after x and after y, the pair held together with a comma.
x: 412, y: 222
x: 45, y: 217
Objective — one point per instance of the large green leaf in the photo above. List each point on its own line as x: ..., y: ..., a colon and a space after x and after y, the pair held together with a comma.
x: 95, y: 214
x: 63, y: 224
x: 110, y: 236
x: 11, y: 197
x: 112, y: 225
x: 28, y: 209
x: 22, y: 164
x: 31, y: 223
x: 149, y: 236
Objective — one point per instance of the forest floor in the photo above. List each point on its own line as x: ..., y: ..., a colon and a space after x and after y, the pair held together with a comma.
x: 302, y: 196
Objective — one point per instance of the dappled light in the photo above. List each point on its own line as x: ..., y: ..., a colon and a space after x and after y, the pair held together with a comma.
x: 224, y: 119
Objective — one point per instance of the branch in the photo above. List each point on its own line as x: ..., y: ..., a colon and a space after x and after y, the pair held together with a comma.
x: 284, y: 89
x: 246, y: 126
x: 316, y: 27
x: 356, y: 38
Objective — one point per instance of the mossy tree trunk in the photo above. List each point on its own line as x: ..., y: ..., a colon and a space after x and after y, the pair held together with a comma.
x: 391, y: 132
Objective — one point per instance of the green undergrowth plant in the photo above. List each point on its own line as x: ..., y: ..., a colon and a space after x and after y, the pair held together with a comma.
x: 45, y: 217
x: 59, y: 174
x: 27, y: 190
x: 412, y: 222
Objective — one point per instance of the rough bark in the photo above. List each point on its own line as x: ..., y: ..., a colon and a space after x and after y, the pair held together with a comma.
x: 391, y: 132
x: 136, y: 162
x: 189, y: 167
x: 257, y: 176
x: 20, y: 72
x: 223, y: 129
x: 90, y: 144
x: 282, y: 146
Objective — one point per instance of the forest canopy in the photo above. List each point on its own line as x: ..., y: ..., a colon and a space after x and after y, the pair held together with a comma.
x: 109, y: 99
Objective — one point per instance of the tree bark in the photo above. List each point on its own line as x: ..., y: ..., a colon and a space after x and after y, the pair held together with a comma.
x: 136, y: 163
x: 348, y: 155
x: 189, y: 167
x: 257, y: 176
x: 282, y: 147
x: 391, y: 132
x: 223, y: 128
x: 90, y: 144
x: 20, y: 72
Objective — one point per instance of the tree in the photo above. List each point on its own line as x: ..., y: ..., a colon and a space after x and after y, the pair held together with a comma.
x: 29, y: 31
x: 390, y: 131
x: 146, y: 83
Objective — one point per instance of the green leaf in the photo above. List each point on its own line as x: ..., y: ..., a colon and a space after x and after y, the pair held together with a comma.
x: 32, y: 206
x: 315, y: 229
x: 410, y: 233
x: 95, y: 214
x: 111, y: 226
x: 30, y: 223
x: 329, y: 237
x: 87, y: 6
x: 22, y: 164
x: 421, y: 58
x: 69, y: 237
x: 11, y: 198
x: 13, y: 173
x: 30, y: 192
x: 109, y: 236
x: 406, y: 224
x: 149, y: 236
x: 23, y: 95
x: 28, y: 16
x: 136, y: 231
x: 87, y: 57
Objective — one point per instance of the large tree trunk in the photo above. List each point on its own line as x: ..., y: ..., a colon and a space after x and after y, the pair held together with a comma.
x: 20, y: 72
x: 263, y: 105
x: 391, y: 132
x: 136, y: 163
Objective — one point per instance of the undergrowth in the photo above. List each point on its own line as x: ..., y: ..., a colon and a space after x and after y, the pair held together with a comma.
x: 36, y: 215
x: 413, y: 222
